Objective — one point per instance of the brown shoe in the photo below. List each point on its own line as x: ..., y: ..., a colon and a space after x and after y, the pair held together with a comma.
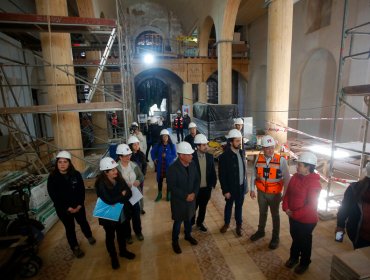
x: 224, y: 228
x: 239, y: 230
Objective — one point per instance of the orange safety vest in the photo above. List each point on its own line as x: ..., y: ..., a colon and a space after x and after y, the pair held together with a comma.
x: 269, y: 178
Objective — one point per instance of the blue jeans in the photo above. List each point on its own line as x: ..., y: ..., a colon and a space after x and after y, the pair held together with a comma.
x: 239, y: 200
x: 176, y: 229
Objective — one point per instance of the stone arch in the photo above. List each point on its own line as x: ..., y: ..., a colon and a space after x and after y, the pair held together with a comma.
x: 205, y: 31
x: 139, y: 71
x: 173, y: 82
x: 315, y: 101
x: 144, y: 29
x: 228, y: 23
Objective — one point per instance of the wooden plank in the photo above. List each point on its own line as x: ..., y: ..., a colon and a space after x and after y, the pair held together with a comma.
x: 359, y: 90
x: 78, y: 107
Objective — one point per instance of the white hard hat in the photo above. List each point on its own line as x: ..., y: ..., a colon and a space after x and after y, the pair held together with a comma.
x: 200, y: 139
x: 132, y: 139
x: 192, y: 125
x: 234, y: 133
x: 153, y: 120
x: 368, y: 169
x: 178, y: 112
x: 184, y: 148
x: 307, y: 157
x: 238, y: 121
x: 267, y: 141
x: 164, y: 132
x: 135, y: 124
x: 64, y: 154
x: 107, y: 163
x: 123, y: 149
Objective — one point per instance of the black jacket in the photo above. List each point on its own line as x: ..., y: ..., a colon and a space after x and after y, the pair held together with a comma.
x: 228, y: 172
x: 181, y: 183
x: 350, y: 213
x: 66, y: 190
x: 112, y: 196
x: 190, y: 139
x: 140, y: 160
x: 211, y: 176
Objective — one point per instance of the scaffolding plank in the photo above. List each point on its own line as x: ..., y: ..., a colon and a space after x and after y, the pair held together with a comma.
x: 25, y: 22
x: 359, y: 90
x: 78, y: 107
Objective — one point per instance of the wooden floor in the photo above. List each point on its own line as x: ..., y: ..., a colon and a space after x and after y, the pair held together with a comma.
x: 217, y: 256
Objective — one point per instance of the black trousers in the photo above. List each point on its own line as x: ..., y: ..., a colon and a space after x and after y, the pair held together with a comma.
x: 136, y: 220
x: 148, y: 146
x: 113, y: 230
x: 68, y: 221
x: 203, y: 197
x: 302, y: 241
x: 179, y: 132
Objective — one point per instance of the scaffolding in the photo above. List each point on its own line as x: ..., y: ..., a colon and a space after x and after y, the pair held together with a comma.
x: 348, y: 37
x: 112, y: 32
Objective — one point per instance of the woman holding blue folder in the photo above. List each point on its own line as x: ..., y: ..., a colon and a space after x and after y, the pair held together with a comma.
x: 111, y: 188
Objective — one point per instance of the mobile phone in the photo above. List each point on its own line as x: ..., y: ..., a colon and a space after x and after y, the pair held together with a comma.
x: 339, y: 236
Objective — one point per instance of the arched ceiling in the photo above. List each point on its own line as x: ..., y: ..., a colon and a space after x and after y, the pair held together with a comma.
x: 191, y: 12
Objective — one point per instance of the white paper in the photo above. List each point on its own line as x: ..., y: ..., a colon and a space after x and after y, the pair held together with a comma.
x: 136, y: 195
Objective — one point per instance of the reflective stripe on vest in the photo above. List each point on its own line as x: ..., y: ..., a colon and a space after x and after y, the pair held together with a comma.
x: 269, y: 178
x: 179, y: 122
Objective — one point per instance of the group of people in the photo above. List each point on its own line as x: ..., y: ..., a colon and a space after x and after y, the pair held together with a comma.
x: 190, y: 175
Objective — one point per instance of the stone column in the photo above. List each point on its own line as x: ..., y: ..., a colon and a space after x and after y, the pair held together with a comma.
x: 224, y: 50
x: 99, y: 119
x: 279, y: 43
x: 202, y: 92
x: 56, y: 49
x: 187, y: 92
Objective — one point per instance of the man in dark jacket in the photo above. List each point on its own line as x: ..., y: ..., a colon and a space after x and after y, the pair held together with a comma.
x: 183, y: 183
x: 152, y: 136
x: 233, y: 179
x: 208, y: 178
x: 178, y: 125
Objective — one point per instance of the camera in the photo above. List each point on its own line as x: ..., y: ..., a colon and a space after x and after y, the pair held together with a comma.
x: 133, y: 129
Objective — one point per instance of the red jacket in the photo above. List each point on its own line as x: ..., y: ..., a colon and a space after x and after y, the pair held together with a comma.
x: 302, y: 197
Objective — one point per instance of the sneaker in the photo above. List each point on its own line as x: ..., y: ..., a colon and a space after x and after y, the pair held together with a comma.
x: 201, y: 227
x: 78, y: 252
x: 129, y: 240
x: 239, y: 230
x: 176, y: 247
x: 291, y: 263
x: 300, y: 269
x: 91, y: 240
x: 127, y: 254
x: 159, y: 197
x: 140, y: 237
x: 191, y: 240
x: 224, y: 228
x: 257, y: 235
x: 274, y: 243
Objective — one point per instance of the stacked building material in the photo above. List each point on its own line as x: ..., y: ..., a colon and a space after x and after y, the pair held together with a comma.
x: 351, y: 265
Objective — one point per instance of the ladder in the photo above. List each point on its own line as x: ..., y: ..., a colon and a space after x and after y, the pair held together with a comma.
x: 102, y: 63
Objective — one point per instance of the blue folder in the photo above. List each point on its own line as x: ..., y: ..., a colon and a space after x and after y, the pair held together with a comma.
x: 106, y: 211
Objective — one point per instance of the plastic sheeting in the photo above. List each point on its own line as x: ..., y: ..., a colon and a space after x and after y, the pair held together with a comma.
x: 214, y: 120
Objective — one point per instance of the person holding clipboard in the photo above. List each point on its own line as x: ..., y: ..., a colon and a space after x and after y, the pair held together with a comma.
x: 112, y: 189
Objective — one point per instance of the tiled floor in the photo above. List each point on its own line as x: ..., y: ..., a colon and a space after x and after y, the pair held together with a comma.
x: 217, y: 256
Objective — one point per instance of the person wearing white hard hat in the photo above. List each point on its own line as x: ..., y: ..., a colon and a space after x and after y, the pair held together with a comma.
x: 354, y: 213
x: 183, y: 182
x: 133, y: 176
x: 178, y: 125
x: 271, y: 177
x: 300, y: 204
x: 67, y: 191
x: 208, y: 178
x: 111, y: 188
x: 152, y: 136
x: 163, y: 154
x: 190, y: 137
x: 135, y: 131
x: 138, y: 157
x: 238, y: 124
x: 232, y: 172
